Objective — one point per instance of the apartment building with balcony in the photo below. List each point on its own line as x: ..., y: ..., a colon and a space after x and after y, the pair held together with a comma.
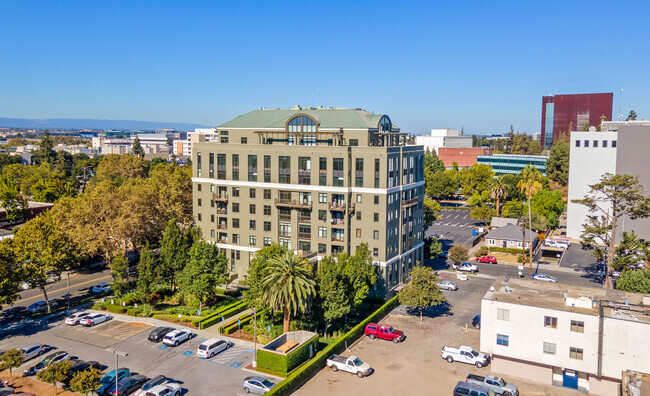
x: 319, y: 181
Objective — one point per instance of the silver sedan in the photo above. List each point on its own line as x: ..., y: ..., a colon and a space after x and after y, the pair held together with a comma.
x: 447, y: 285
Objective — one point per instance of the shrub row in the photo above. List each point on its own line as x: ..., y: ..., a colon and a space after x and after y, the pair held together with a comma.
x: 173, y: 318
x: 507, y: 250
x: 118, y: 309
x: 307, y: 369
x: 218, y: 312
x: 232, y: 327
x: 224, y: 315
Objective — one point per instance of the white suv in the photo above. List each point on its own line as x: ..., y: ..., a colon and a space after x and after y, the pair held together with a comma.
x: 176, y: 337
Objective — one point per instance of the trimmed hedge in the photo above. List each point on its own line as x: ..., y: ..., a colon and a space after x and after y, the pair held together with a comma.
x: 218, y: 312
x: 224, y: 315
x: 507, y: 250
x: 275, y: 363
x: 133, y: 311
x: 303, y: 372
x: 231, y: 328
x: 115, y: 309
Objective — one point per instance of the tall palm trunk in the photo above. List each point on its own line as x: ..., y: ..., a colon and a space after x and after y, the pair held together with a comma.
x: 530, y: 234
x: 286, y: 319
x: 498, y: 197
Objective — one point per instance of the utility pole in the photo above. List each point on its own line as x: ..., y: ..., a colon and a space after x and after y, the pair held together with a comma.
x: 254, y: 338
x: 68, y: 291
x: 117, y: 354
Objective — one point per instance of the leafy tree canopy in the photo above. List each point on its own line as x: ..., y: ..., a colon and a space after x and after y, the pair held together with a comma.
x: 421, y: 292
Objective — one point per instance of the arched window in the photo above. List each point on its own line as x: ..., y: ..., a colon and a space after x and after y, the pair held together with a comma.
x: 305, y: 128
x: 385, y: 125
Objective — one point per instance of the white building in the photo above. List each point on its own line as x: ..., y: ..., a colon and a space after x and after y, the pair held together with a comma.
x: 576, y: 337
x: 444, y: 137
x: 620, y: 148
x: 111, y: 146
x: 184, y: 147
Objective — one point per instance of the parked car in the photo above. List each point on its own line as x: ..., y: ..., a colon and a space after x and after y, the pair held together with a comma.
x: 486, y: 259
x: 102, y: 288
x: 164, y: 390
x: 544, y: 278
x: 476, y: 321
x: 94, y: 319
x: 257, y: 384
x: 31, y: 351
x: 5, y: 389
x: 75, y: 318
x: 159, y: 333
x: 41, y: 306
x: 497, y: 384
x: 469, y: 388
x: 126, y: 385
x: 108, y: 379
x: 445, y: 254
x: 212, y: 347
x: 157, y: 380
x: 467, y: 267
x: 49, y: 360
x: 350, y: 364
x: 385, y: 332
x: 173, y: 338
x: 447, y: 285
x: 464, y: 354
x: 80, y: 365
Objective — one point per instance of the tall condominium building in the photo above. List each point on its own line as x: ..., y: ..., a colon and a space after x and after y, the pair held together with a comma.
x: 562, y: 114
x: 319, y: 181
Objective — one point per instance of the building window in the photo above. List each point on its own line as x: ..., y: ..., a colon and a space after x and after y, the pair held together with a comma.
x: 251, y: 224
x: 285, y: 229
x: 252, y: 168
x: 251, y: 209
x: 322, y: 215
x: 267, y: 210
x: 354, y: 142
x: 359, y: 215
x: 198, y: 202
x: 235, y: 207
x: 358, y: 172
x: 198, y: 216
x: 235, y: 166
x: 267, y: 194
x: 503, y: 340
x: 376, y: 199
x: 198, y: 164
x: 212, y: 233
x: 267, y: 241
x: 358, y: 198
x: 577, y: 143
x: 224, y: 139
x: 503, y: 314
x: 235, y: 238
x: 235, y: 223
x: 377, y: 177
x: 267, y: 169
x: 235, y: 191
x: 252, y: 240
x: 322, y: 248
x: 375, y: 252
x: 322, y: 171
x: 284, y: 169
x: 322, y: 198
x: 358, y: 232
x: 198, y: 187
x: 613, y: 146
x: 604, y: 143
x: 375, y: 217
x: 586, y: 143
x: 595, y: 145
x: 550, y: 321
x: 322, y: 232
x: 251, y: 193
x: 337, y: 172
x: 577, y: 326
x: 575, y: 353
x: 221, y: 166
x: 244, y: 140
x: 267, y: 226
x: 212, y: 218
x: 304, y: 170
x: 550, y: 348
x: 375, y: 234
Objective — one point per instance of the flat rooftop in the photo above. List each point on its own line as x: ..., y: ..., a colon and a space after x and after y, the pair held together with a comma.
x: 562, y: 297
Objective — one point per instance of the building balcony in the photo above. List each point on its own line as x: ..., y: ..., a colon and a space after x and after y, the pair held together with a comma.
x: 306, y: 254
x: 292, y: 203
x: 304, y: 219
x: 304, y: 235
x: 336, y: 238
x: 222, y: 240
x: 222, y: 226
x: 340, y: 207
x: 337, y: 221
x: 222, y: 211
x: 223, y: 197
x: 409, y: 202
x: 284, y: 217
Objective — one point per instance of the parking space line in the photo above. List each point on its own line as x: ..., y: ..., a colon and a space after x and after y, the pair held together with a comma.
x: 228, y: 355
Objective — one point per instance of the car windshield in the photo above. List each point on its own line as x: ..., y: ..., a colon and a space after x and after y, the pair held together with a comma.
x: 357, y: 362
x: 502, y: 382
x: 107, y: 378
x: 267, y: 383
x: 474, y: 353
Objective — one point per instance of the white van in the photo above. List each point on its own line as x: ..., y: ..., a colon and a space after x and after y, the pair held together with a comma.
x: 211, y: 347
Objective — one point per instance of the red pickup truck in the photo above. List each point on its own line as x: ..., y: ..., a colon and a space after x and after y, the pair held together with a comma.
x: 385, y: 332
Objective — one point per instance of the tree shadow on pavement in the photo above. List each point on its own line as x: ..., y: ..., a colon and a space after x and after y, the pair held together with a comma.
x: 440, y: 310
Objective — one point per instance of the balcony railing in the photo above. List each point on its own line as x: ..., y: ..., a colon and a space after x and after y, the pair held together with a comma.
x: 292, y: 203
x: 222, y: 226
x: 304, y: 235
x: 284, y: 217
x: 223, y: 197
x: 304, y: 219
x: 337, y: 206
x: 409, y: 202
x: 222, y: 211
x: 306, y: 254
x: 337, y: 238
x: 337, y: 221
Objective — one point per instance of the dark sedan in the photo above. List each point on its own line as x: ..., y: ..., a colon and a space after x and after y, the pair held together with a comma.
x: 80, y: 365
x: 159, y: 333
x: 127, y: 385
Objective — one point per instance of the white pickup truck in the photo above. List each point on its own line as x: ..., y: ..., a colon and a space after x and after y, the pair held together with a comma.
x: 350, y: 364
x: 464, y: 354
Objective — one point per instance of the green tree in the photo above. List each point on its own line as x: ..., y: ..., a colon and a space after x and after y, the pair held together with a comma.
x: 119, y: 270
x: 207, y: 268
x: 498, y: 189
x: 548, y: 204
x: 535, y: 147
x: 613, y: 197
x: 332, y: 291
x: 432, y: 248
x: 431, y: 209
x: 13, y: 201
x: 42, y: 246
x: 475, y: 179
x: 137, y: 149
x: 432, y: 163
x: 421, y: 292
x: 45, y: 153
x: 86, y: 381
x: 482, y: 212
x: 11, y: 359
x: 585, y: 127
x: 289, y: 285
x: 626, y: 252
x: 458, y: 254
x: 10, y: 273
x: 513, y: 209
x: 173, y: 252
x: 360, y: 272
x: 257, y: 272
x: 58, y: 372
x: 631, y: 116
x: 637, y: 281
x: 530, y: 184
x: 442, y: 184
x: 147, y: 276
x: 121, y: 167
x: 520, y: 144
x: 557, y: 166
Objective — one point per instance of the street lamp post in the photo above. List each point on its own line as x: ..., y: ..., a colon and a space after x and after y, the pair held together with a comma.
x: 254, y: 338
x: 68, y: 290
x: 117, y: 354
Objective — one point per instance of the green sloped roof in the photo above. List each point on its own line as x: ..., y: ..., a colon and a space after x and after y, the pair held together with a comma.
x: 327, y: 118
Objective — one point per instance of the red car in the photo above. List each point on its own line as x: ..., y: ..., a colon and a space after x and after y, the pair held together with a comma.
x: 486, y: 259
x: 385, y: 332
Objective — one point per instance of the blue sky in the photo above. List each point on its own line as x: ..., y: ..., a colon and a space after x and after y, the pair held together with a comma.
x: 483, y: 65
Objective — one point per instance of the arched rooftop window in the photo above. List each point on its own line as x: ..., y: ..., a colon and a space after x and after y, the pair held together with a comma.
x: 385, y: 125
x: 301, y: 124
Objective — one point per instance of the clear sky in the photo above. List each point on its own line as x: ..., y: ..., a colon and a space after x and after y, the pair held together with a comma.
x: 483, y: 65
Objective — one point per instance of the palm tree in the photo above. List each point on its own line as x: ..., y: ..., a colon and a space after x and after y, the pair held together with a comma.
x: 289, y: 285
x: 498, y: 190
x: 530, y: 184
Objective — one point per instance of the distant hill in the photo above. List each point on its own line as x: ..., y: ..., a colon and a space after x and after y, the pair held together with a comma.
x: 70, y: 123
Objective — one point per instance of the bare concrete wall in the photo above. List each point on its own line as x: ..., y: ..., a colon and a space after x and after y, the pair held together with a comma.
x: 603, y: 387
x: 543, y: 375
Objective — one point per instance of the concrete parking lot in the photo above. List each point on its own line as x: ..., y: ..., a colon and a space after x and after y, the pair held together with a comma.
x: 455, y: 226
x: 222, y: 374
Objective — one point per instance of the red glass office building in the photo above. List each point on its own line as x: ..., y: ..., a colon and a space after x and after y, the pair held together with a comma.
x: 562, y: 114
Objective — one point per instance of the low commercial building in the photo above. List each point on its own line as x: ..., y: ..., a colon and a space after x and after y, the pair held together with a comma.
x: 443, y: 137
x: 576, y: 337
x: 462, y: 157
x: 503, y: 164
x: 510, y: 236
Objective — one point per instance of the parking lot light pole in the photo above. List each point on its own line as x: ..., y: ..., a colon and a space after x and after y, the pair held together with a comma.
x: 117, y: 354
x: 68, y: 291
